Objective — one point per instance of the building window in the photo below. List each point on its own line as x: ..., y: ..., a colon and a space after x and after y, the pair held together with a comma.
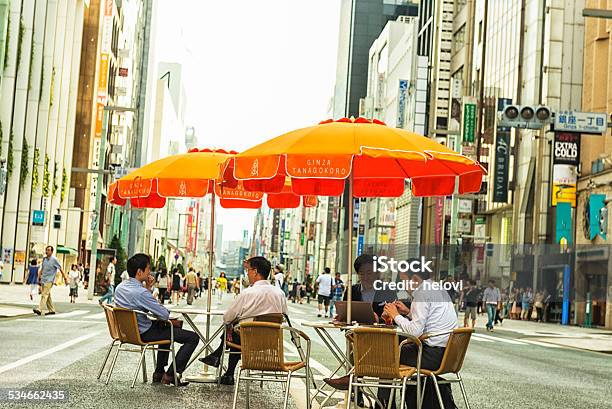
x: 458, y: 40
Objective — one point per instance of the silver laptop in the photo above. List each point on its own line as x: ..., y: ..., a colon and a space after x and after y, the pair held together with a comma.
x: 361, y: 312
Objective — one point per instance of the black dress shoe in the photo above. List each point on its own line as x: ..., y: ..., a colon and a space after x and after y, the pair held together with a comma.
x: 37, y: 311
x: 50, y: 313
x: 169, y: 380
x: 157, y: 377
x: 211, y: 360
x: 341, y: 384
x: 227, y: 380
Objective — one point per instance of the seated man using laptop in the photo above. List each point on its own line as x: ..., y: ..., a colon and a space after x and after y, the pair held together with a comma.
x: 131, y: 294
x: 259, y: 299
x: 364, y: 290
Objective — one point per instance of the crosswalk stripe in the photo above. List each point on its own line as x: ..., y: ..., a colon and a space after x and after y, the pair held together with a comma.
x: 69, y: 314
x: 542, y: 344
x: 314, y: 364
x: 95, y: 316
x: 475, y: 337
x: 500, y: 339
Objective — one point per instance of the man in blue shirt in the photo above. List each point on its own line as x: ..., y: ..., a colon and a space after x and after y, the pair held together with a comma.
x: 131, y: 294
x: 46, y: 277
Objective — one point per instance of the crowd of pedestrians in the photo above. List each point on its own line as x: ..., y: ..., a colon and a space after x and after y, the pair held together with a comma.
x: 499, y: 304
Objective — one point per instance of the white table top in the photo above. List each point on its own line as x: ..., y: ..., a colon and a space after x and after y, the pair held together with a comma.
x: 196, y: 311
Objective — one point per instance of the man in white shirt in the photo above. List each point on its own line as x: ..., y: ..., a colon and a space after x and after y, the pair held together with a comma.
x: 431, y: 311
x: 259, y: 299
x: 325, y: 282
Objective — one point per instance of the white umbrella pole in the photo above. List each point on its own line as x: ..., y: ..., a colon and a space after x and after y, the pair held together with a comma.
x: 349, y: 280
x: 211, y: 252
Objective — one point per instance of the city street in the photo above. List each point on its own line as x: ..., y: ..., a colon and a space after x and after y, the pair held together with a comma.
x: 516, y: 366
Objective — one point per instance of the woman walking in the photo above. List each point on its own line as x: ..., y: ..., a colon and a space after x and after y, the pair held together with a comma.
x: 176, y: 286
x: 222, y: 284
x: 162, y: 285
x: 33, y: 278
x: 538, y: 303
x: 74, y: 277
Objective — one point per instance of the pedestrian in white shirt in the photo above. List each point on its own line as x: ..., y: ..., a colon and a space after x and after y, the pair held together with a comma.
x: 259, y: 299
x: 279, y: 277
x: 325, y: 283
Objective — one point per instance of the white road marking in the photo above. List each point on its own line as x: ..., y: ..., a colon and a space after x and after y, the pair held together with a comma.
x: 542, y: 344
x: 44, y: 353
x: 500, y: 339
x: 42, y: 320
x: 314, y: 364
x: 98, y: 316
x: 68, y: 314
x: 476, y: 337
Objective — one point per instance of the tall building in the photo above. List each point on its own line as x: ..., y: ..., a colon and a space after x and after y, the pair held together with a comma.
x: 37, y: 115
x: 361, y: 22
x: 593, y: 260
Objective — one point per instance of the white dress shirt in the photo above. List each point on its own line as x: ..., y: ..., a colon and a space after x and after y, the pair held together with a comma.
x: 259, y: 299
x: 432, y: 311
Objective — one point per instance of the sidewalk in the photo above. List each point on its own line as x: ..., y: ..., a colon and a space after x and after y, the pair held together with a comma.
x: 15, y: 299
x: 590, y: 339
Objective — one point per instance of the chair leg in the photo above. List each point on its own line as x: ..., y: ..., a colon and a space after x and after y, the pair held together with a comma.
x: 419, y: 397
x: 391, y: 397
x: 176, y: 381
x: 144, y: 365
x: 110, y: 371
x: 154, y: 357
x: 248, y: 390
x: 142, y: 354
x: 287, y: 391
x: 307, y: 382
x: 462, y: 386
x: 423, y: 391
x: 236, y: 388
x: 110, y: 349
x: 403, y: 394
x: 351, y: 389
x: 435, y: 382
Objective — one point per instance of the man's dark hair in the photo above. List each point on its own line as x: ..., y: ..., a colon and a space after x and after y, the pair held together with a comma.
x: 424, y: 275
x: 49, y: 247
x: 137, y: 262
x: 492, y: 282
x: 327, y: 270
x: 262, y: 265
x: 175, y: 270
x: 363, y: 260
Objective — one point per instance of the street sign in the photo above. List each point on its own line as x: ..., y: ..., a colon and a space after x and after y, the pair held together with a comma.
x: 465, y: 206
x: 38, y: 217
x: 469, y: 122
x: 581, y: 122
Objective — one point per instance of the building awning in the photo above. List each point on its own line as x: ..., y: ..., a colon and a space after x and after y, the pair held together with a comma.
x: 67, y: 250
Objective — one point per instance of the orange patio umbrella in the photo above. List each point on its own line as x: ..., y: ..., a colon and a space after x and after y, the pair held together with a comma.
x: 374, y: 158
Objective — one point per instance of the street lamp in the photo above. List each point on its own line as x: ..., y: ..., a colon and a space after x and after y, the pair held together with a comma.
x: 96, y: 222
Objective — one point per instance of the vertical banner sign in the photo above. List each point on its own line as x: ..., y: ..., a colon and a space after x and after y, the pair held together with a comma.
x: 356, y: 214
x: 401, y: 103
x: 360, y: 239
x: 275, y: 231
x: 439, y: 216
x: 502, y: 158
x: 563, y: 230
x: 566, y: 158
x: 469, y: 122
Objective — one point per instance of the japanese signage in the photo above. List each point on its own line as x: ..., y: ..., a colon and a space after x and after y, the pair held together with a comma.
x: 401, y: 103
x: 439, y: 219
x: 581, y: 122
x: 465, y: 206
x: 566, y: 149
x: 38, y: 217
x: 501, y: 166
x: 275, y: 231
x: 356, y: 214
x: 464, y: 225
x: 469, y: 122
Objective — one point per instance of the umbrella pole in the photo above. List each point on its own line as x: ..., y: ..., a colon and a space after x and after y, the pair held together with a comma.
x: 210, y: 261
x: 349, y: 270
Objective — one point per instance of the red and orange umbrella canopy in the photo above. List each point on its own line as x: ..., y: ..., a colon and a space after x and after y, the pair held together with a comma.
x: 193, y: 175
x: 319, y: 158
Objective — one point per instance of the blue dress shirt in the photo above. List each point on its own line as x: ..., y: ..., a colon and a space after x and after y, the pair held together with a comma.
x: 132, y: 295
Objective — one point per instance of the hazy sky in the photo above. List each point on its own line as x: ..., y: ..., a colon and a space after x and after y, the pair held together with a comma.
x: 253, y: 70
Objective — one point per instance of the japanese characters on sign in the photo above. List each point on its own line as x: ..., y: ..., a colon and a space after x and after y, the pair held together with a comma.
x: 581, y: 122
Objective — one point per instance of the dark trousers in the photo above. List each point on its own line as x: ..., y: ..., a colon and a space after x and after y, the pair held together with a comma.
x: 162, y: 294
x: 234, y: 357
x: 161, y: 331
x: 430, y: 359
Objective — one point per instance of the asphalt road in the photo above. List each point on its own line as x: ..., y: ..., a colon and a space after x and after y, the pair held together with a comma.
x: 503, y: 369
